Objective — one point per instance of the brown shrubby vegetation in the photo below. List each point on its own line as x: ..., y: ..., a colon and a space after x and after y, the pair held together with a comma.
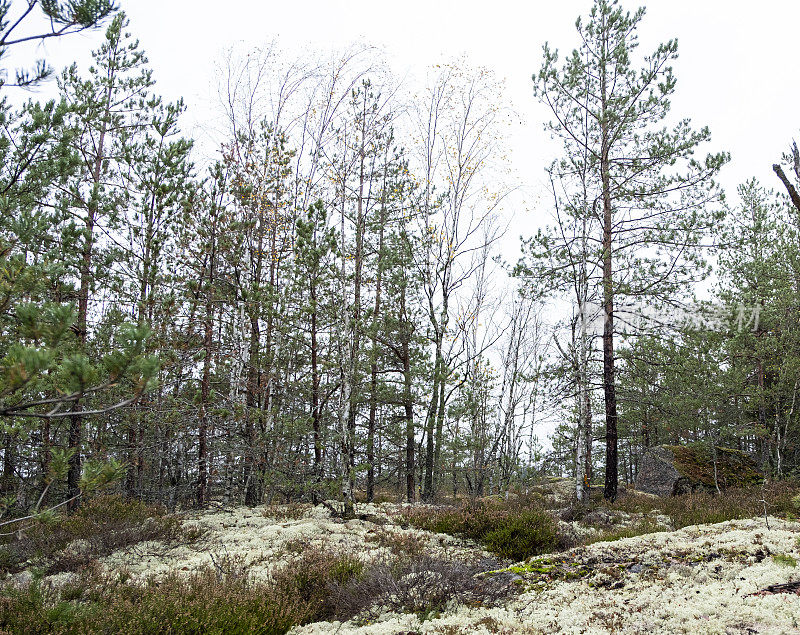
x: 512, y: 530
x: 200, y: 603
x: 525, y: 526
x: 57, y: 543
x: 780, y: 498
x: 422, y: 585
x: 398, y: 544
x: 317, y: 584
x: 321, y: 582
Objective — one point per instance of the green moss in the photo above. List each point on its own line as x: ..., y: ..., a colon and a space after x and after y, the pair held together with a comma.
x: 734, y: 468
x: 543, y: 571
x: 784, y: 560
x: 541, y: 565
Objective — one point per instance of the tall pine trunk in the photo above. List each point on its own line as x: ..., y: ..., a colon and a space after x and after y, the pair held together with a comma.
x: 609, y: 386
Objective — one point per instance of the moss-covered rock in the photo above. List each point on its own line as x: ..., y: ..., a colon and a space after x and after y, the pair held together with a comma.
x: 669, y: 470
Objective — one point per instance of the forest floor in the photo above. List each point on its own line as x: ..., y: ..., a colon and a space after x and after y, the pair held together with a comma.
x: 718, y: 578
x: 700, y: 579
x: 632, y: 567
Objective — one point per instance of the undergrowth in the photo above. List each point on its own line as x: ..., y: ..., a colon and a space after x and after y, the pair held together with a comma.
x: 510, y: 530
x: 317, y: 583
x: 66, y: 542
x: 521, y: 527
x: 706, y: 507
x: 314, y: 585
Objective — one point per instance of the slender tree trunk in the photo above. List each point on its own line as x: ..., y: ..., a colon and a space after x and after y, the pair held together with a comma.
x: 133, y: 464
x: 315, y: 382
x: 205, y: 390
x: 76, y: 420
x: 581, y: 480
x: 8, y: 486
x: 762, y: 412
x: 268, y: 371
x: 609, y: 386
x: 251, y: 497
x: 584, y: 454
x: 587, y: 411
x: 408, y: 406
x: 254, y: 372
x: 373, y: 402
x: 437, y: 454
x: 346, y: 377
x: 430, y: 426
x: 85, y: 274
x: 45, y: 461
x: 355, y: 348
x: 373, y: 399
x: 205, y: 383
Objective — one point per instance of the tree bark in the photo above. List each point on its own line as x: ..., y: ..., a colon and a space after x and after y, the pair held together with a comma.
x: 373, y: 398
x: 315, y: 382
x: 205, y: 390
x: 609, y: 386
x: 793, y: 194
x: 408, y: 400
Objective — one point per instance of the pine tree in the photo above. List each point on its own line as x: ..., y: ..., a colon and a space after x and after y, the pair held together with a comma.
x: 45, y: 368
x: 65, y: 18
x: 760, y: 284
x: 651, y: 201
x: 314, y: 250
x: 108, y: 109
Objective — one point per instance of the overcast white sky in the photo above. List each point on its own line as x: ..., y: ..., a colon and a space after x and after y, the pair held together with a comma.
x: 737, y: 71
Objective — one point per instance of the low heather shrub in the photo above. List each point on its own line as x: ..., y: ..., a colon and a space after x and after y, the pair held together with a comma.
x: 200, y: 603
x: 97, y: 528
x: 315, y: 585
x: 522, y: 535
x: 704, y: 507
x: 421, y: 585
x: 399, y: 544
x: 218, y: 599
x: 512, y: 531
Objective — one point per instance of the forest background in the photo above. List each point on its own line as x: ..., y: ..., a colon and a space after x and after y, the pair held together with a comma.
x: 324, y: 292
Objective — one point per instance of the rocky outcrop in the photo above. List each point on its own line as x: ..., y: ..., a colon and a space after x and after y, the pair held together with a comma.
x: 669, y: 470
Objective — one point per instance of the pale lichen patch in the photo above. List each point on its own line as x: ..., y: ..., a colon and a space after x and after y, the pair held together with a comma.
x: 697, y: 579
x: 261, y: 539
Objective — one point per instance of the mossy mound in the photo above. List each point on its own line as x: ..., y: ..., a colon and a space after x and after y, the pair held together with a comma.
x: 670, y: 470
x: 734, y: 468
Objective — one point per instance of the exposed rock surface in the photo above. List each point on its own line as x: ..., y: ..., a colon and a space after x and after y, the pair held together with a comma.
x: 669, y: 470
